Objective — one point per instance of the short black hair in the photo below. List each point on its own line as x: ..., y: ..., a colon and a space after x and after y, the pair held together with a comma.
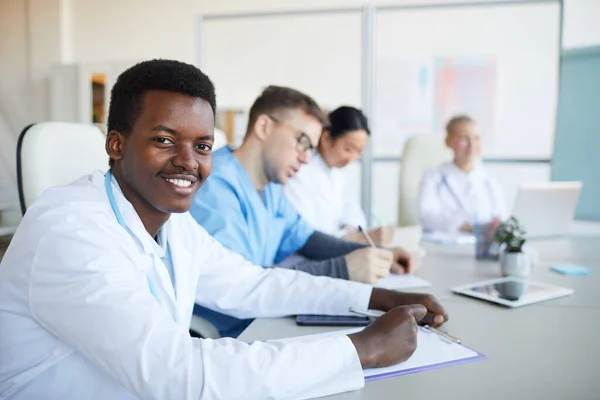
x: 173, y: 76
x: 345, y: 119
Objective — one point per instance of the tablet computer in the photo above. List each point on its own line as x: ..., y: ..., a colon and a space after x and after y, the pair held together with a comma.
x: 512, y: 292
x: 332, y: 320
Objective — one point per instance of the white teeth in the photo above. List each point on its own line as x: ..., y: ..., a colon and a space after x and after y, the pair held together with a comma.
x: 180, y: 182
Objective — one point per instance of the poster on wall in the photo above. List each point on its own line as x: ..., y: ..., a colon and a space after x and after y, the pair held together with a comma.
x: 466, y: 85
x: 419, y: 95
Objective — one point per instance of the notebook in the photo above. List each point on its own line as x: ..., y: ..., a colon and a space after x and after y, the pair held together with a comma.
x: 433, y: 352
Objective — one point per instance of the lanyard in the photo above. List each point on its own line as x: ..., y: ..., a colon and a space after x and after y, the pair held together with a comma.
x: 121, y: 221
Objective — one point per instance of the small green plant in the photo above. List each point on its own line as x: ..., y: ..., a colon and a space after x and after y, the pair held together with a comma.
x: 512, y: 235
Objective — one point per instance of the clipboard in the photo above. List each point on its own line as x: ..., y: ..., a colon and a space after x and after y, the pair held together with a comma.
x: 434, y: 351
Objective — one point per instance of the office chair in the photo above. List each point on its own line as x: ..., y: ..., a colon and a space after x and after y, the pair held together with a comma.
x: 220, y: 139
x: 56, y: 153
x: 421, y: 153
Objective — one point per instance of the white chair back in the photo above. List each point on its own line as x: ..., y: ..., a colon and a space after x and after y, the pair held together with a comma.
x: 220, y: 139
x: 56, y: 153
x: 421, y: 153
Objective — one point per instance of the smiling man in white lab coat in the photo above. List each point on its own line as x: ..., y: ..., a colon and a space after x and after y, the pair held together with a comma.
x: 98, y: 284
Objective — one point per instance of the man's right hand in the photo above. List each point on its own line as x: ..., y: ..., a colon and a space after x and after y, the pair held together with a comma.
x: 391, y: 339
x: 369, y: 264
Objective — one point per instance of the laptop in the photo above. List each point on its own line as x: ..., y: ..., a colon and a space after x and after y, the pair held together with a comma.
x: 547, y: 209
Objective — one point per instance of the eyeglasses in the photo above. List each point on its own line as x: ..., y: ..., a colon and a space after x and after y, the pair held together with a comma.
x: 303, y: 141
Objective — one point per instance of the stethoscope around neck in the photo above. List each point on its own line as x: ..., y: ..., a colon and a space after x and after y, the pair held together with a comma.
x: 121, y: 221
x: 455, y: 197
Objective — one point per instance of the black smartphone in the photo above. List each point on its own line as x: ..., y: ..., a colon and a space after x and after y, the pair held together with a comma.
x: 332, y: 320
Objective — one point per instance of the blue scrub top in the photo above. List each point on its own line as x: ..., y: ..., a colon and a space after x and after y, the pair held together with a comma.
x: 263, y: 229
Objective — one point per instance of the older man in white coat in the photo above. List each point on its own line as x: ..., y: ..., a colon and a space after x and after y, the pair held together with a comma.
x: 460, y: 193
x: 98, y: 284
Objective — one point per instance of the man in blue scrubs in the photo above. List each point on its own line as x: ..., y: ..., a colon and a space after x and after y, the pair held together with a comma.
x: 242, y: 203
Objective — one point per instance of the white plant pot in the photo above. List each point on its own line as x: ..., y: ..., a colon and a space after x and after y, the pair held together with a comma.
x: 515, y: 264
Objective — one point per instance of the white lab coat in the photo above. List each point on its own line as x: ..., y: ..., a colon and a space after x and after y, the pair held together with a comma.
x: 320, y: 194
x: 78, y: 321
x: 450, y: 197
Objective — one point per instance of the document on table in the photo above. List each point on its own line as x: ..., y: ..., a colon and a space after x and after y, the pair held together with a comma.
x: 433, y: 351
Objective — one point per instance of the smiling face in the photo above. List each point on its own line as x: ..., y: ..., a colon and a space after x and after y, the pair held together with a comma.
x: 167, y: 155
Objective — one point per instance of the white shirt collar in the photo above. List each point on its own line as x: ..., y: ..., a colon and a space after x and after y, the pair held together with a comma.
x: 132, y: 219
x: 477, y: 172
x: 318, y: 160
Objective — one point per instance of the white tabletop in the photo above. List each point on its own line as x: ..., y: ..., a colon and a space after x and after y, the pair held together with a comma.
x: 548, y: 350
x: 450, y: 266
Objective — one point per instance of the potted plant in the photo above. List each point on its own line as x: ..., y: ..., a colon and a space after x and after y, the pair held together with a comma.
x: 513, y: 260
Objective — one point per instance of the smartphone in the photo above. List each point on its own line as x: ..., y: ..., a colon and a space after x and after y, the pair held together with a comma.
x: 332, y: 320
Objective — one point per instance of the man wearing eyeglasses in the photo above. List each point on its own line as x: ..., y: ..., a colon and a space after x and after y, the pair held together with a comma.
x: 242, y: 203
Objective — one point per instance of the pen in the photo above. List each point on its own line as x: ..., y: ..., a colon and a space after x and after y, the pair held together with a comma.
x: 366, y: 313
x: 367, y: 237
x: 377, y: 314
x: 442, y: 333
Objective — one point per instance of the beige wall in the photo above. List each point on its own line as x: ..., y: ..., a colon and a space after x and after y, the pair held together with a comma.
x: 160, y: 28
x: 29, y: 46
x: 36, y: 34
x: 14, y: 54
x: 116, y: 29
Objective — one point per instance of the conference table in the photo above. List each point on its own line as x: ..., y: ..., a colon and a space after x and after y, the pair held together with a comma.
x: 548, y: 350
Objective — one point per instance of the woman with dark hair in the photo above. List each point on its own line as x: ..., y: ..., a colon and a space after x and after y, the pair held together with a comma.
x: 319, y: 191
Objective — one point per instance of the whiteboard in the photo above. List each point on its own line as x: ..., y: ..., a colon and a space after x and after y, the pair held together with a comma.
x: 317, y: 53
x: 515, y: 51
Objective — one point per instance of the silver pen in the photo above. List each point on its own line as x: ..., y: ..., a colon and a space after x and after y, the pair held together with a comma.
x: 366, y: 313
x: 377, y: 314
x: 445, y: 335
x: 367, y: 236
